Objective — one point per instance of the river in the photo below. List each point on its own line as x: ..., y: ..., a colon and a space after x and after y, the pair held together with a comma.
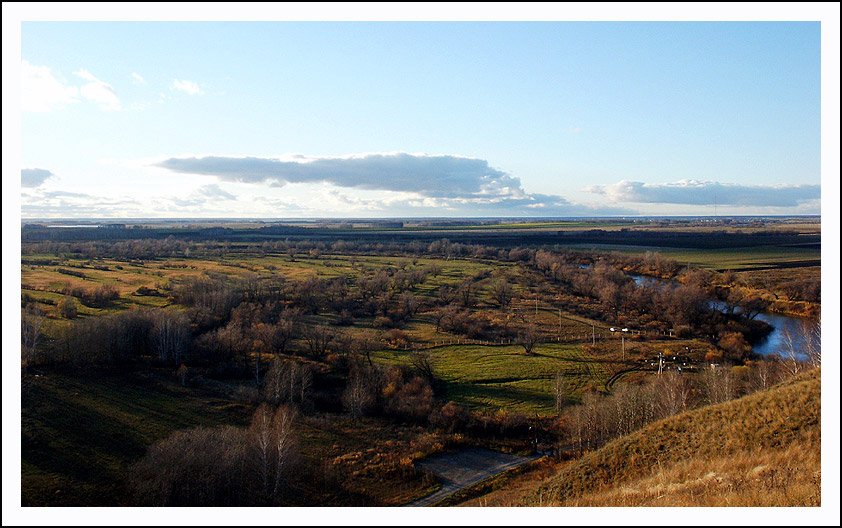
x: 773, y: 343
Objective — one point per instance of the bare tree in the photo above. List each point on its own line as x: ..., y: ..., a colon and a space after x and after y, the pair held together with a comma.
x: 443, y: 315
x: 31, y: 325
x: 528, y: 337
x: 718, y: 385
x: 560, y: 391
x: 467, y: 293
x: 318, y: 339
x: 360, y: 392
x: 283, y: 447
x: 170, y: 335
x: 811, y: 332
x: 501, y: 291
x: 408, y: 304
x: 735, y: 346
x: 261, y: 435
x: 789, y: 352
x: 446, y: 294
x: 421, y: 362
x: 276, y: 337
x: 752, y: 305
x: 765, y: 373
x: 672, y: 392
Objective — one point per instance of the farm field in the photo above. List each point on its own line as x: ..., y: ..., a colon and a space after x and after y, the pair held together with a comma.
x: 737, y: 259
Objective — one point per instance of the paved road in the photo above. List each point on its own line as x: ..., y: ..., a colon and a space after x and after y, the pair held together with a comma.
x: 462, y: 469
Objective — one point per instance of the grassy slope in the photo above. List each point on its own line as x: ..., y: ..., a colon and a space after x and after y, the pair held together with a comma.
x: 79, y: 432
x: 761, y: 450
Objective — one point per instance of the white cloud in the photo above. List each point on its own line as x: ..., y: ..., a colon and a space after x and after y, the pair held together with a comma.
x: 395, y: 183
x: 99, y: 92
x: 188, y: 87
x: 41, y: 92
x: 693, y: 192
x: 85, y: 74
x: 61, y: 204
x: 215, y: 192
x: 427, y: 175
x: 34, y: 177
x: 137, y: 79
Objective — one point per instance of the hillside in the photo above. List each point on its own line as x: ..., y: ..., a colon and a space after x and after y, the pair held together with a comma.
x: 761, y: 450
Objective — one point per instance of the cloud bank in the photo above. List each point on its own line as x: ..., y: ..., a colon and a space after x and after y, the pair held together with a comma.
x: 433, y: 176
x: 693, y: 192
x: 420, y: 184
x: 34, y: 177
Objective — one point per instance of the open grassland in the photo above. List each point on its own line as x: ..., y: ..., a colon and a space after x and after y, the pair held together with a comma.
x: 495, y: 378
x: 46, y: 280
x: 763, y: 449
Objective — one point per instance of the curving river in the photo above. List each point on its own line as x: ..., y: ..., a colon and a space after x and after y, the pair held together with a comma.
x: 782, y: 325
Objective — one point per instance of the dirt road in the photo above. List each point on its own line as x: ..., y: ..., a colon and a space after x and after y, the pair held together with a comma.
x: 462, y: 469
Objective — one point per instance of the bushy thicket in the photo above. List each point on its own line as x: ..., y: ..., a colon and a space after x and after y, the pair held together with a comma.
x: 629, y: 407
x: 222, y: 466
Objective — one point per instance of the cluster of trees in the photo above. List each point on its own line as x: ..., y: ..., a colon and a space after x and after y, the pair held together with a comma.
x: 803, y: 290
x: 31, y: 323
x: 629, y: 407
x: 129, y: 335
x: 98, y: 297
x: 683, y: 305
x: 147, y: 249
x: 617, y: 293
x: 223, y: 466
x: 404, y: 393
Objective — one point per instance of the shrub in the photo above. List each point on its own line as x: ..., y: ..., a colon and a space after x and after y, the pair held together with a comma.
x: 67, y: 307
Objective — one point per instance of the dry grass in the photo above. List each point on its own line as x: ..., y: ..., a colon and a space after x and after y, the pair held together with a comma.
x: 759, y: 478
x: 761, y: 450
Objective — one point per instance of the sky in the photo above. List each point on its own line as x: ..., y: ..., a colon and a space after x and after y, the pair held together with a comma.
x: 419, y: 119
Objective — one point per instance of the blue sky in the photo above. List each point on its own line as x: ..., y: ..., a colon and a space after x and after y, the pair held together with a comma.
x: 384, y: 119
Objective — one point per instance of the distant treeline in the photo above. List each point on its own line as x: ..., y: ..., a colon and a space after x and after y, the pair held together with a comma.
x: 497, y: 238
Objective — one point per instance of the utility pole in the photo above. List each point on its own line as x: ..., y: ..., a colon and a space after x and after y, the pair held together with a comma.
x: 593, y: 334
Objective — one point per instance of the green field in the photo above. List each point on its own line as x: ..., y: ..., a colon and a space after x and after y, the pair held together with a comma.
x: 494, y: 378
x: 736, y: 259
x: 722, y: 259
